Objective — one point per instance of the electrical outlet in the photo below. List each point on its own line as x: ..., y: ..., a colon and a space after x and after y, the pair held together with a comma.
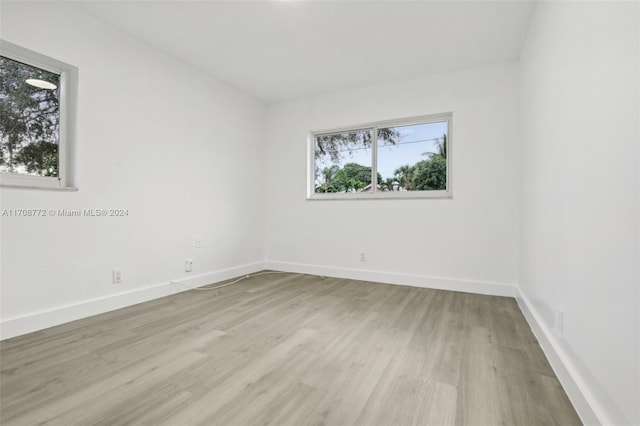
x: 116, y: 274
x: 363, y: 257
x: 188, y: 265
x: 198, y: 242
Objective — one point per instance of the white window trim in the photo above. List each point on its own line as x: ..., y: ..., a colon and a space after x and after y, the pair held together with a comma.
x: 377, y: 195
x: 68, y: 100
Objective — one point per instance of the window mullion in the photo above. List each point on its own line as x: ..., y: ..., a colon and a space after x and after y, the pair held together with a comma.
x: 374, y: 160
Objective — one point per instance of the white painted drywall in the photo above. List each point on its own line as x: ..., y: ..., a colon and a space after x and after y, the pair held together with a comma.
x: 580, y: 190
x: 472, y: 236
x: 178, y: 149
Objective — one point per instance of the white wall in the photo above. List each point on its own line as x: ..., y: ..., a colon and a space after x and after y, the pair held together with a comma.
x: 468, y: 242
x: 176, y: 148
x: 580, y: 210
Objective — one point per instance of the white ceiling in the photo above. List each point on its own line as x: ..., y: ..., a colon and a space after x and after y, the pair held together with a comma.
x: 290, y: 49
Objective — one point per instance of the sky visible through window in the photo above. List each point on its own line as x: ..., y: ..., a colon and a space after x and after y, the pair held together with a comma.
x: 415, y: 143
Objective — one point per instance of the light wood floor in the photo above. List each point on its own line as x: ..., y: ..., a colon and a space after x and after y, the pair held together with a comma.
x: 288, y: 349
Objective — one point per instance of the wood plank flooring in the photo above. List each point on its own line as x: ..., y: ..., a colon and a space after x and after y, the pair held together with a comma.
x: 287, y: 349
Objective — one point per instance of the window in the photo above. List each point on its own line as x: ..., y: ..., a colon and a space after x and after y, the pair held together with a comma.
x: 408, y: 158
x: 37, y: 101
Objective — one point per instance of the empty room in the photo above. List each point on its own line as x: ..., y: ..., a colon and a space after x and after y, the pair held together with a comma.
x: 305, y: 212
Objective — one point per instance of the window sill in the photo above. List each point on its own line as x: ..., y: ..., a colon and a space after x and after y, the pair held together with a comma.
x: 43, y: 188
x: 382, y: 196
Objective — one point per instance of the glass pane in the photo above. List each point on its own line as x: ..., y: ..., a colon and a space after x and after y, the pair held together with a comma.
x: 343, y: 162
x: 413, y: 157
x: 29, y: 119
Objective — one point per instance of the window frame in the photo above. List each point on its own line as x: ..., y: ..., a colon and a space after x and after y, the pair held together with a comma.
x: 375, y: 194
x: 68, y: 100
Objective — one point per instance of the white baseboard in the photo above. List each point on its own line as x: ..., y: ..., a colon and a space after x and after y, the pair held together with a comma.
x: 586, y: 405
x: 17, y: 326
x: 424, y: 281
